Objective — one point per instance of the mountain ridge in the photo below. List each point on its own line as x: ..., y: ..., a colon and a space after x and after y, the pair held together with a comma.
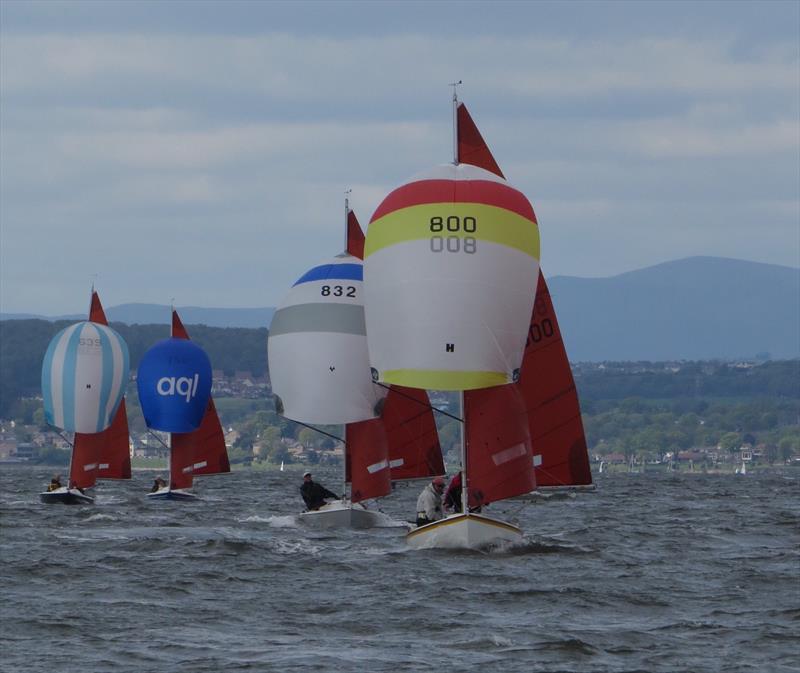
x: 693, y: 308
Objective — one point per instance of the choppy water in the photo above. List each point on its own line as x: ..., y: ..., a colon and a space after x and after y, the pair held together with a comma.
x: 650, y: 573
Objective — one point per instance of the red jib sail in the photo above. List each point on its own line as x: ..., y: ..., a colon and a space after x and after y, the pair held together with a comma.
x: 367, y: 467
x: 499, y: 454
x: 202, y: 451
x: 414, y: 449
x: 102, y: 455
x: 556, y: 429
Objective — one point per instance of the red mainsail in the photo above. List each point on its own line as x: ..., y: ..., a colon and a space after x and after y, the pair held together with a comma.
x: 102, y: 455
x: 560, y: 454
x: 202, y: 451
x: 355, y: 237
x: 414, y: 449
x: 499, y: 454
x: 367, y: 467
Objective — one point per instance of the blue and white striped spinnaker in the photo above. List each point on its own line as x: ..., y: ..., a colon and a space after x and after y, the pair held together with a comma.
x: 84, y: 374
x: 318, y: 360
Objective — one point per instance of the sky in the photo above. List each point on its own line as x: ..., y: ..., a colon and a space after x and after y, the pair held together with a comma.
x: 199, y: 152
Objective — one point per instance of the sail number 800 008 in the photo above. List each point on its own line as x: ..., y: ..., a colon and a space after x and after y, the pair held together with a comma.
x: 454, y: 225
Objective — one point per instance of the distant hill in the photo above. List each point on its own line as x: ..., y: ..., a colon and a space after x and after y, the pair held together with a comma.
x: 697, y: 308
x: 690, y: 309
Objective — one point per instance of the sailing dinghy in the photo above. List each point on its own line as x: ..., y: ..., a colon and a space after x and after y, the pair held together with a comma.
x: 451, y: 271
x: 84, y: 375
x: 196, y: 440
x: 320, y: 375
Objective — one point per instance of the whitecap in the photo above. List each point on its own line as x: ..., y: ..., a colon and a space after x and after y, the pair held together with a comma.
x: 100, y: 517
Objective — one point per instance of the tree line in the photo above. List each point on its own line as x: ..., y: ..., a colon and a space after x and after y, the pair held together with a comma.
x: 629, y: 407
x: 24, y: 342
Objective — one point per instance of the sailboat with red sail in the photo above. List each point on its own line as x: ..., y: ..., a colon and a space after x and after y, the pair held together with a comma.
x: 96, y: 456
x: 468, y: 322
x: 320, y: 375
x: 193, y: 454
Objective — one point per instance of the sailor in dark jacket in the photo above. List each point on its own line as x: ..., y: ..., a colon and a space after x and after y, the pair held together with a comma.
x: 314, y: 494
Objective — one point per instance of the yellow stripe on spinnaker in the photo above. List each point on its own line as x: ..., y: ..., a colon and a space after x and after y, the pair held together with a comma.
x: 491, y: 223
x: 442, y: 379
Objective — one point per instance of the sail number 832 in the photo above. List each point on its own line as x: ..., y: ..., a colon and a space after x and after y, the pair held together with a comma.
x: 338, y: 291
x: 453, y: 224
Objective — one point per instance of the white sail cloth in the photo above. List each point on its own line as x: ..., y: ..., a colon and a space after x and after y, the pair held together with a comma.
x: 317, y: 348
x: 450, y: 273
x: 84, y: 374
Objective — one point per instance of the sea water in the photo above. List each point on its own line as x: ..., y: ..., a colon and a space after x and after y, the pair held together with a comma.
x: 652, y: 573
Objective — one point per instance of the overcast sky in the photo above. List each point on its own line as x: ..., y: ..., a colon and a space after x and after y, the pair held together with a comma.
x: 200, y: 150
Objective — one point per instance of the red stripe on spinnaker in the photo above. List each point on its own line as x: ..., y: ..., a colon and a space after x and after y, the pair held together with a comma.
x: 456, y: 191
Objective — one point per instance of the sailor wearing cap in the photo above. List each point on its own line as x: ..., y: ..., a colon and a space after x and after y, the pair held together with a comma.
x: 314, y: 494
x: 429, y: 503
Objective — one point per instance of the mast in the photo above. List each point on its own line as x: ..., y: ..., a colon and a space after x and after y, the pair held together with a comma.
x: 72, y: 452
x: 344, y: 427
x: 346, y: 216
x: 455, y: 121
x: 464, y: 488
x: 172, y: 334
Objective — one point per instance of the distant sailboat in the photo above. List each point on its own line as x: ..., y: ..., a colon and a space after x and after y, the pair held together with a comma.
x: 450, y: 278
x: 195, y: 448
x: 601, y: 467
x: 742, y: 470
x: 84, y: 375
x: 281, y: 466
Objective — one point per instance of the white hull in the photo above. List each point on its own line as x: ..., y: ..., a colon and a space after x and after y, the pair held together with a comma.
x: 463, y: 531
x: 66, y: 496
x: 167, y: 493
x: 340, y: 514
